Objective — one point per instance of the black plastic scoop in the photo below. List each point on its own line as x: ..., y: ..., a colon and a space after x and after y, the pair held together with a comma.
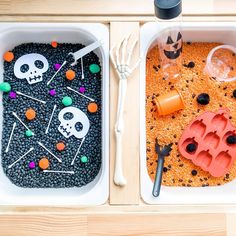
x: 161, y: 159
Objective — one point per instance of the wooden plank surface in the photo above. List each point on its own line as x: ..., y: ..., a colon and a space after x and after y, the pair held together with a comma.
x: 142, y: 208
x: 115, y: 220
x: 114, y: 224
x: 231, y: 224
x: 146, y: 224
x: 48, y: 224
x: 106, y: 19
x: 108, y: 7
x: 128, y: 194
x: 119, y: 220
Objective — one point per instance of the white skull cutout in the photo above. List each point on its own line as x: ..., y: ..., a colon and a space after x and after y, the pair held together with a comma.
x: 31, y: 67
x: 73, y: 122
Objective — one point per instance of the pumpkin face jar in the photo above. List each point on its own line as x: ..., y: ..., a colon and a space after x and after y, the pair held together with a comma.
x: 170, y: 44
x: 173, y: 49
x: 170, y: 40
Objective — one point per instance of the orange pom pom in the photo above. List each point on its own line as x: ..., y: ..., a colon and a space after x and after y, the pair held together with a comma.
x: 70, y: 74
x: 92, y: 107
x: 8, y: 56
x: 54, y: 44
x: 30, y: 114
x: 60, y: 146
x: 44, y: 163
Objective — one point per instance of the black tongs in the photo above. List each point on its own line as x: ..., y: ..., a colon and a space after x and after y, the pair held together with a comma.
x: 162, y: 153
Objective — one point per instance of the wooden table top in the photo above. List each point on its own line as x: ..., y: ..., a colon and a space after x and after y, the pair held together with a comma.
x: 124, y: 213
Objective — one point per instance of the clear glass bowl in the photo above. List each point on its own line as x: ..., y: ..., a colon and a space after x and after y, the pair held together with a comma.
x: 221, y: 63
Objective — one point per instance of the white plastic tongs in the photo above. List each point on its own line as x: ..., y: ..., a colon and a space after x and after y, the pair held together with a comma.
x: 84, y: 51
x: 77, y: 55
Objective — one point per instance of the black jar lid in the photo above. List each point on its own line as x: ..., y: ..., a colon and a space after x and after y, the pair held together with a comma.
x: 167, y: 9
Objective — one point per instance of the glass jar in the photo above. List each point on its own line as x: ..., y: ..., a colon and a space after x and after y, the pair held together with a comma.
x: 170, y: 40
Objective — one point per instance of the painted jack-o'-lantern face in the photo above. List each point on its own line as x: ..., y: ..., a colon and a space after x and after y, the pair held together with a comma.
x: 173, y: 49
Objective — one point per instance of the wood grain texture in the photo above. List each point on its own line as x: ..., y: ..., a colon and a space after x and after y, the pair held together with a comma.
x: 108, y: 7
x: 158, y: 224
x: 106, y: 19
x: 142, y: 208
x: 189, y: 220
x: 231, y: 226
x: 128, y: 194
x: 115, y: 220
x: 113, y: 224
x: 37, y: 225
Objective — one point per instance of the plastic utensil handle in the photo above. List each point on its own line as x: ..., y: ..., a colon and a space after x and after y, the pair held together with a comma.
x: 158, y: 178
x: 82, y: 52
x: 119, y: 178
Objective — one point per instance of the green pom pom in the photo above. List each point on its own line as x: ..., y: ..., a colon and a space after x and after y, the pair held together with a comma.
x: 84, y: 159
x: 5, y: 87
x: 94, y: 68
x: 67, y: 101
x: 28, y: 133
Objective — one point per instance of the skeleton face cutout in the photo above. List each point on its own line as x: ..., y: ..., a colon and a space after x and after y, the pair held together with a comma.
x: 31, y: 67
x: 173, y: 49
x: 73, y: 122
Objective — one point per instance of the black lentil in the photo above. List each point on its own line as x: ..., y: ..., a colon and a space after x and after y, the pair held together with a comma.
x: 231, y: 139
x: 191, y: 147
x: 234, y: 93
x: 165, y: 169
x: 190, y: 65
x: 20, y: 174
x: 203, y: 99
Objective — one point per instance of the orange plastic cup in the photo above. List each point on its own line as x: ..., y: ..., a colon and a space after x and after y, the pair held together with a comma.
x: 169, y: 103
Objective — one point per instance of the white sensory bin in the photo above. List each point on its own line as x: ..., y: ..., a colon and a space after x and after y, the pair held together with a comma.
x: 223, y: 32
x: 96, y: 192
